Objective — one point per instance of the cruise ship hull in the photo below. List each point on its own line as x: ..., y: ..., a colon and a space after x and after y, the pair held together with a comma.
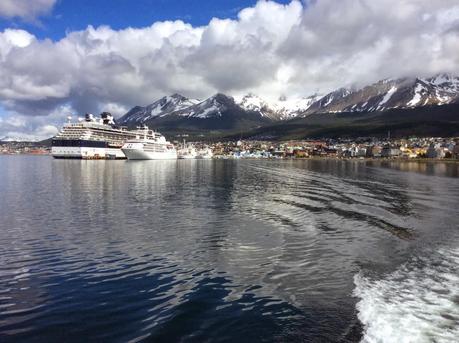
x: 138, y: 154
x: 87, y: 153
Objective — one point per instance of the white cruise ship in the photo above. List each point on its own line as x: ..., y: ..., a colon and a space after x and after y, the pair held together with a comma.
x: 149, y: 145
x: 91, y: 138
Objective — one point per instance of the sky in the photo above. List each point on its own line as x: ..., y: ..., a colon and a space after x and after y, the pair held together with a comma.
x: 62, y: 57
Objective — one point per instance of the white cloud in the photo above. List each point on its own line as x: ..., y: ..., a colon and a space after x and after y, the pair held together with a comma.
x: 35, y: 134
x: 116, y: 109
x: 15, y: 38
x: 29, y: 127
x: 26, y: 9
x: 269, y: 49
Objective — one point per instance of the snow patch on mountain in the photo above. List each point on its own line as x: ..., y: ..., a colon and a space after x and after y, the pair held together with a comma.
x: 388, y: 96
x: 209, y: 111
x: 417, y: 96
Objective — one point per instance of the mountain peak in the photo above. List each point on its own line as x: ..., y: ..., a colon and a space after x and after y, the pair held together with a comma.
x: 177, y: 96
x: 222, y: 97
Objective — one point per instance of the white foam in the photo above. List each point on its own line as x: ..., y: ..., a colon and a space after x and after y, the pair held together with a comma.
x: 417, y: 303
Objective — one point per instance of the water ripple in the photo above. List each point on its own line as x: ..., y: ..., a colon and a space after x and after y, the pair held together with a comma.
x: 216, y: 250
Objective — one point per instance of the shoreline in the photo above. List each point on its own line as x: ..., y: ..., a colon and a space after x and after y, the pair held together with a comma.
x: 366, y: 159
x: 313, y: 158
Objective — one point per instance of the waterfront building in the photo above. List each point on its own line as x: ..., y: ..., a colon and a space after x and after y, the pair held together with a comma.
x: 388, y: 151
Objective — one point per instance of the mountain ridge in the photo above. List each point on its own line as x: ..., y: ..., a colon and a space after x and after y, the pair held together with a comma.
x: 224, y: 112
x: 391, y: 93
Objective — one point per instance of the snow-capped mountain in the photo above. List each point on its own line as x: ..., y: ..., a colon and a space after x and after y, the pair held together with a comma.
x: 162, y: 107
x: 327, y: 100
x: 293, y: 108
x: 23, y: 138
x: 282, y: 109
x: 178, y: 105
x: 211, y: 107
x: 219, y: 112
x: 254, y: 103
x: 380, y: 96
x: 391, y: 93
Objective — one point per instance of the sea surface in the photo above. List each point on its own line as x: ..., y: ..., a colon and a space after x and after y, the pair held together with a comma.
x: 228, y: 251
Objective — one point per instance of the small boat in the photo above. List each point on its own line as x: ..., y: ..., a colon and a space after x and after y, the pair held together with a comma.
x: 187, y: 152
x: 205, y: 154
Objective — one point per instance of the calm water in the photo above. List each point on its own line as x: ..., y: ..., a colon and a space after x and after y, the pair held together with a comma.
x: 219, y: 251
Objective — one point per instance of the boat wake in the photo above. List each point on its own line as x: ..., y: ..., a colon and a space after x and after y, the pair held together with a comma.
x: 419, y: 302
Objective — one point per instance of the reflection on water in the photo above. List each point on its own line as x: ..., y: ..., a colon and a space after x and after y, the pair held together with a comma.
x: 209, y: 250
x: 450, y: 169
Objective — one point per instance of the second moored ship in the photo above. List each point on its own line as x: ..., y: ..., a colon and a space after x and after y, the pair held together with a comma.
x: 149, y: 145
